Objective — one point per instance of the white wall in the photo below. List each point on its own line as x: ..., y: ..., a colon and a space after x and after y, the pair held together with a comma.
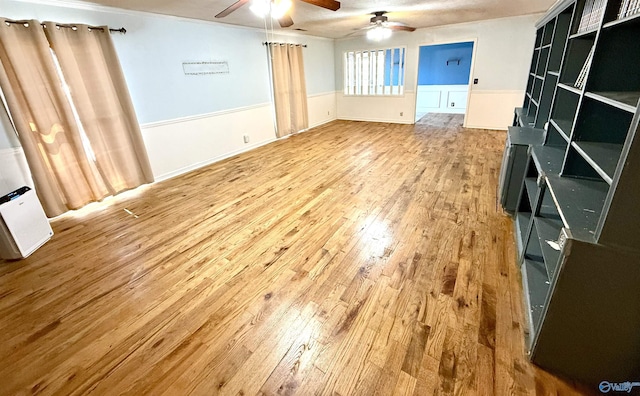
x: 14, y: 172
x: 502, y: 53
x: 8, y: 138
x: 189, y: 121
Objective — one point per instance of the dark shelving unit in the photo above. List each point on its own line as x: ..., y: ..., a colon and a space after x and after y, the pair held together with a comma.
x: 576, y: 217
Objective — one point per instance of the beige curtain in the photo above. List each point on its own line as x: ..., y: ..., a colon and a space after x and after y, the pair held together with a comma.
x: 49, y: 135
x: 71, y: 169
x: 99, y: 92
x: 289, y: 88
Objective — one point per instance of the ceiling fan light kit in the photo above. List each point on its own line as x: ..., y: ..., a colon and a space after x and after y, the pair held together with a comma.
x: 274, y: 8
x: 378, y: 33
x: 277, y: 9
x: 380, y: 28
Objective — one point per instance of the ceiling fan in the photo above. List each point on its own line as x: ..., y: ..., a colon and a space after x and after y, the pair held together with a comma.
x: 278, y: 8
x: 380, y: 28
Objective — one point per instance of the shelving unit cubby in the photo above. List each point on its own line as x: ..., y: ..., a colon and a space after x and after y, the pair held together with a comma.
x: 576, y: 216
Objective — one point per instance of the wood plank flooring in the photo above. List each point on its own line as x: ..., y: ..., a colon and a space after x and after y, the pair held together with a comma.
x: 355, y: 259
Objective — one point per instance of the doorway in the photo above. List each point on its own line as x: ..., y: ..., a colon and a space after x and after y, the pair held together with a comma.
x: 444, y: 71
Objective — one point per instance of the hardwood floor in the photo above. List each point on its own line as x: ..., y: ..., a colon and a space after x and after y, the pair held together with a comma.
x: 355, y: 259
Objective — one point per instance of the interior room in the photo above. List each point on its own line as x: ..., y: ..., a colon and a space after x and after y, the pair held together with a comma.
x: 319, y: 197
x: 444, y: 73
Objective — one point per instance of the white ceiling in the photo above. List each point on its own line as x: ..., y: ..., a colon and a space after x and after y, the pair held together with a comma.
x: 352, y: 15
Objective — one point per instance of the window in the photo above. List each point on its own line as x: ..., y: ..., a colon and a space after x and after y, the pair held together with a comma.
x: 374, y: 72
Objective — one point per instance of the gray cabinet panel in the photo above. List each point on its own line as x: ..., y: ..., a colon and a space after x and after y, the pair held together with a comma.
x: 514, y: 163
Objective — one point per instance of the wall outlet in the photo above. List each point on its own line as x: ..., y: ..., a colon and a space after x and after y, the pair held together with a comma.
x: 453, y: 104
x: 401, y: 113
x: 328, y: 113
x: 246, y: 138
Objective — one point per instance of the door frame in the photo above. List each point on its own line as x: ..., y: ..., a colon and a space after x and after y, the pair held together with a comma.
x: 471, y: 70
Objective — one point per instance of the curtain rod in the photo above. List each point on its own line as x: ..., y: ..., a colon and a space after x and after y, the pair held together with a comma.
x: 271, y: 42
x: 59, y: 25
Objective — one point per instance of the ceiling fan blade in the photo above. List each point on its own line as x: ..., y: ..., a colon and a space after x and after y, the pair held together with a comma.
x: 356, y: 31
x: 389, y: 24
x: 328, y: 4
x: 402, y: 27
x: 285, y: 21
x: 232, y: 8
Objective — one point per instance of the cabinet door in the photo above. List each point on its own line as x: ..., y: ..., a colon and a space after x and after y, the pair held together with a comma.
x: 514, y: 165
x: 505, y: 172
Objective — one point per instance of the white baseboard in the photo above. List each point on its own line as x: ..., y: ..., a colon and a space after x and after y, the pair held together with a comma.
x: 319, y: 123
x: 495, y: 128
x: 374, y: 119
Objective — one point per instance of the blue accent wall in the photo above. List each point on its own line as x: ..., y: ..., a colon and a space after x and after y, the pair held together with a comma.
x: 433, y: 68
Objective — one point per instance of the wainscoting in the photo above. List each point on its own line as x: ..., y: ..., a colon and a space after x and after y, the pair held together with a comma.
x: 181, y: 145
x: 450, y: 99
x: 395, y: 109
x: 486, y: 109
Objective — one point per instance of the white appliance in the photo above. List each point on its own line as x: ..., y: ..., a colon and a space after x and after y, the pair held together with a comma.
x: 24, y: 227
